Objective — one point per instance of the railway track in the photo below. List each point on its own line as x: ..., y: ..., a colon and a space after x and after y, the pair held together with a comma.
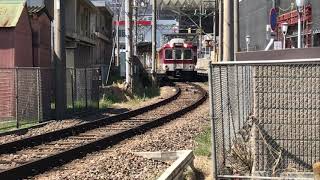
x: 33, y: 155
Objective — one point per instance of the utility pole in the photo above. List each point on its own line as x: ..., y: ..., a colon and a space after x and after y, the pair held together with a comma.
x: 154, y: 40
x: 214, y: 30
x: 136, y: 11
x: 60, y: 58
x: 221, y: 30
x: 236, y: 27
x: 200, y: 30
x: 128, y: 32
x: 227, y: 30
x: 118, y: 39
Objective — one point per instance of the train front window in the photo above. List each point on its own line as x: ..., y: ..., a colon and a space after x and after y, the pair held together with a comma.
x: 178, y: 54
x: 168, y: 54
x: 187, y: 54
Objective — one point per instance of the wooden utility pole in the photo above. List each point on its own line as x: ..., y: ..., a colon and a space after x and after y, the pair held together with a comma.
x: 128, y: 32
x: 236, y: 27
x: 154, y: 40
x: 60, y: 58
x: 227, y: 30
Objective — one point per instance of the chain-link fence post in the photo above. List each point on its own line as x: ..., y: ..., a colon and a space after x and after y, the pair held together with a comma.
x: 213, y: 140
x: 38, y: 94
x: 86, y: 88
x: 17, y: 96
x: 73, y: 83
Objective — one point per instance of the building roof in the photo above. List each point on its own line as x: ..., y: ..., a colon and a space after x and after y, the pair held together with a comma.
x: 39, y: 10
x: 10, y: 12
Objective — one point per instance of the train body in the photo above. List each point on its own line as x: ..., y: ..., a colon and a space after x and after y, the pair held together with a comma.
x: 178, y: 58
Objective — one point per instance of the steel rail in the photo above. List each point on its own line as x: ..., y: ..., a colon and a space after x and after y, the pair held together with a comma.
x: 44, y: 164
x: 32, y: 141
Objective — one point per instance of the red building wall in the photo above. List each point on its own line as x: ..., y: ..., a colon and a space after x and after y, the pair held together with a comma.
x: 23, y: 41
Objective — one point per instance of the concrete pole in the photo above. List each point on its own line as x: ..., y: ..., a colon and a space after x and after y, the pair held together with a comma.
x: 227, y: 30
x: 60, y: 58
x: 136, y: 27
x: 118, y: 41
x: 236, y: 27
x: 221, y: 30
x: 200, y: 32
x: 128, y: 32
x: 154, y: 39
x: 214, y: 30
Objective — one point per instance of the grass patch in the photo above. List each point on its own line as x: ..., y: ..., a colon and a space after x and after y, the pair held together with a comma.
x: 203, y: 141
x: 117, y: 93
x: 12, y: 125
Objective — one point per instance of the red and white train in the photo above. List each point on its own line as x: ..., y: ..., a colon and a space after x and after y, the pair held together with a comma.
x: 178, y: 58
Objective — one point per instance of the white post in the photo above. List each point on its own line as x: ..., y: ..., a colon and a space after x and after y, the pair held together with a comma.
x: 299, y: 30
x: 284, y: 41
x: 128, y: 32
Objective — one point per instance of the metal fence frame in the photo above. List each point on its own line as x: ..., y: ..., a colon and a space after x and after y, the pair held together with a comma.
x: 280, y: 72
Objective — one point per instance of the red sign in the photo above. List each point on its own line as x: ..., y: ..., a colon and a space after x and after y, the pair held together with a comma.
x: 139, y: 23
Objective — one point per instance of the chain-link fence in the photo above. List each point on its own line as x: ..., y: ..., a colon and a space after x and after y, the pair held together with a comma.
x: 27, y: 95
x: 265, y: 118
x: 83, y: 89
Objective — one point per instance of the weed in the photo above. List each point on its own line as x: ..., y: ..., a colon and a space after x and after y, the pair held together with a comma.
x: 204, y: 143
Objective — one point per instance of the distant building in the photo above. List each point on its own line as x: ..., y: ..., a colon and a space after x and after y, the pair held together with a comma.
x: 254, y: 17
x: 104, y: 37
x: 15, y: 50
x: 41, y: 35
x: 15, y: 30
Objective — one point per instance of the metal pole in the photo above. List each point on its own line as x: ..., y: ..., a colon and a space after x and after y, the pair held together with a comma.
x: 154, y: 39
x: 221, y: 30
x: 236, y: 27
x: 17, y: 96
x: 128, y: 32
x: 227, y: 31
x: 299, y: 29
x: 213, y: 140
x: 60, y: 58
x: 284, y: 41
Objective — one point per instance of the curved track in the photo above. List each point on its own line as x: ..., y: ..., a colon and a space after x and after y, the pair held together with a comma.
x: 34, y: 155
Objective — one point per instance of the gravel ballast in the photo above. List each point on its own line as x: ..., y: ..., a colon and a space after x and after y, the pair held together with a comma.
x: 56, y: 125
x: 118, y: 162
